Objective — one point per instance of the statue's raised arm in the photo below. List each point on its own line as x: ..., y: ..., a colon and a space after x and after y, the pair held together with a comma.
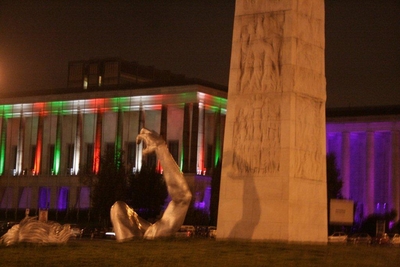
x: 127, y: 224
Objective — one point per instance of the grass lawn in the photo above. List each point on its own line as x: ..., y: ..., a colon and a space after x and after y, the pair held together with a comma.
x: 196, y: 252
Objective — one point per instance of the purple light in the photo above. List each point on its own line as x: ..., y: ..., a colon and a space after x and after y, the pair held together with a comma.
x: 84, y: 198
x: 63, y: 198
x: 382, y: 167
x: 44, y: 197
x: 25, y: 199
x: 364, y: 159
x: 357, y: 165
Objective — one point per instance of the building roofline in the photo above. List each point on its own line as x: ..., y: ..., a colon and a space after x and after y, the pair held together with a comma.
x: 369, y: 111
x: 117, y: 89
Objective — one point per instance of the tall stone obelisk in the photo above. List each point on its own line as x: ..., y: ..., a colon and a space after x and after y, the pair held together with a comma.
x: 273, y: 182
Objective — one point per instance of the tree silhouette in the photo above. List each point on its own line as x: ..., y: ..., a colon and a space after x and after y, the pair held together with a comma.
x: 108, y: 186
x: 334, y: 184
x: 368, y: 225
x: 215, y: 187
x: 147, y: 192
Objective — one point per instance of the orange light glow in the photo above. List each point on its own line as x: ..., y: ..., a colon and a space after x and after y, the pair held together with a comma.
x: 97, y: 143
x: 39, y: 144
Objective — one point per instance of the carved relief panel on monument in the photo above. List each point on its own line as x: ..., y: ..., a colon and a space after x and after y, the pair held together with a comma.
x: 259, y: 62
x: 308, y: 138
x: 257, y: 132
x: 257, y: 135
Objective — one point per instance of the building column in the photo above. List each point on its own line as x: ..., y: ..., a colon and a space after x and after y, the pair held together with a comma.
x: 119, y: 136
x: 163, y: 130
x: 194, y: 137
x: 190, y: 137
x: 77, y: 143
x: 218, y: 129
x: 395, y: 172
x: 369, y: 195
x: 3, y: 144
x: 72, y: 201
x: 346, y: 165
x: 15, y: 196
x: 97, y: 142
x: 185, y: 138
x: 139, y: 147
x: 57, y: 146
x: 20, y: 147
x: 164, y: 122
x: 54, y: 194
x: 35, y: 197
x: 201, y: 167
x: 39, y: 144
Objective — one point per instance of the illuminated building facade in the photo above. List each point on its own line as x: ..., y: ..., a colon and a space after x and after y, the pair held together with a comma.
x: 366, y: 142
x: 48, y: 138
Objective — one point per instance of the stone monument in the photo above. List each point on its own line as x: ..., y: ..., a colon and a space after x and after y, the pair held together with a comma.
x: 273, y: 181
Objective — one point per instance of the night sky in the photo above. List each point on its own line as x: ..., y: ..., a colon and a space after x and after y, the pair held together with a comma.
x: 39, y: 38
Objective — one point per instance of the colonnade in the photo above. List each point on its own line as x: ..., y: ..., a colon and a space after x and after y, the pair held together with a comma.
x: 368, y: 158
x: 44, y: 149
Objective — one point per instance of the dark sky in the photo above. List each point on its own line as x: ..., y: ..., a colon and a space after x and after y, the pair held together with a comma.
x: 38, y: 38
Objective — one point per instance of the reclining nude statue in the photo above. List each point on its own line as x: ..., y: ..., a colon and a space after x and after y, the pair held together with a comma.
x: 126, y: 222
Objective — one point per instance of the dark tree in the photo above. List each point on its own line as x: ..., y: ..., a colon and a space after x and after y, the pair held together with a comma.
x: 215, y: 187
x: 368, y: 225
x: 196, y: 216
x: 396, y: 227
x: 334, y: 184
x: 109, y: 185
x: 147, y: 192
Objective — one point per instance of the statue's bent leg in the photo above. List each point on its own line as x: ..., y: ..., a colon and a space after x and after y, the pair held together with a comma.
x: 127, y: 224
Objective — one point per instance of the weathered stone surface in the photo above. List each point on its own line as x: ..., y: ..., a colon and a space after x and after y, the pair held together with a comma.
x: 274, y: 175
